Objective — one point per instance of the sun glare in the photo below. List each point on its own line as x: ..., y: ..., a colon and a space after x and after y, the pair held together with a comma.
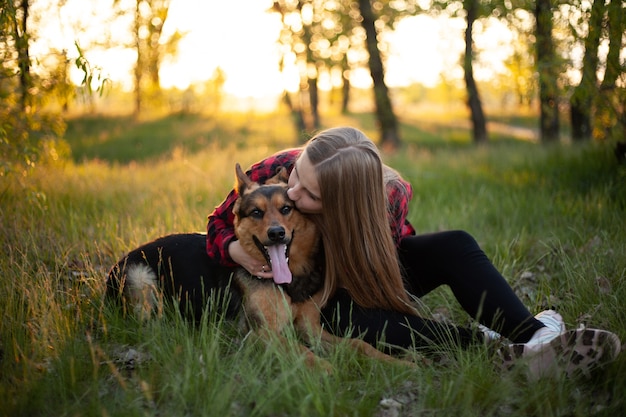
x: 240, y: 38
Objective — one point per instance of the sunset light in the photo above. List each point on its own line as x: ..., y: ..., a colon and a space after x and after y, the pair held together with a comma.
x: 312, y: 207
x: 240, y: 38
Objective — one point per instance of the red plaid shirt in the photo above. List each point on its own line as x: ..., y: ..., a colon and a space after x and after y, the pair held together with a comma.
x: 220, y: 229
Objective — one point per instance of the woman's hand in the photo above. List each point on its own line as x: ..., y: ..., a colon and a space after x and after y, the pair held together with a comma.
x: 250, y: 264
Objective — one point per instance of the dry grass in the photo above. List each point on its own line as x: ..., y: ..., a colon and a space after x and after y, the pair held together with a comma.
x: 551, y: 219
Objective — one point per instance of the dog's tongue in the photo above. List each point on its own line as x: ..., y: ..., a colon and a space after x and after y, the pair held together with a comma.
x: 280, y: 268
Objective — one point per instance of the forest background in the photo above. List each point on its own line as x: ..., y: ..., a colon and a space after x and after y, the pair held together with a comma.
x: 566, y: 61
x: 527, y: 151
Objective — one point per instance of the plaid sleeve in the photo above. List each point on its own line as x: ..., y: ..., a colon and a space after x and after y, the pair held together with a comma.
x: 220, y: 226
x: 399, y: 193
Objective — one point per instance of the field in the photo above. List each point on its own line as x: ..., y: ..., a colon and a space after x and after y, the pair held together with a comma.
x: 552, y: 219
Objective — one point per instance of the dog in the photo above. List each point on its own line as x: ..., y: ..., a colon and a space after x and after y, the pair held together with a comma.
x: 269, y: 228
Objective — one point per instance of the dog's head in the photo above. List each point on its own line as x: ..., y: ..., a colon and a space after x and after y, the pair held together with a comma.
x: 270, y: 228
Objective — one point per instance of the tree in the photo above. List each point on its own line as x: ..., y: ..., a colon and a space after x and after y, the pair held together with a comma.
x: 319, y: 35
x: 547, y: 69
x: 387, y: 121
x: 521, y: 63
x: 151, y: 48
x: 214, y: 90
x: 609, y: 121
x: 479, y: 124
x: 582, y: 98
x: 472, y: 11
x: 25, y: 130
x: 298, y: 20
x: 138, y: 71
x: 21, y: 38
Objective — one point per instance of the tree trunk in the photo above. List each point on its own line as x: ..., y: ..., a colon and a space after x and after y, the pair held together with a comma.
x: 548, y: 74
x: 314, y: 102
x: 23, y: 56
x: 479, y: 125
x: 159, y: 12
x: 345, y: 86
x: 139, y: 64
x: 581, y: 100
x: 607, y: 115
x: 311, y: 79
x: 384, y: 112
x: 296, y: 114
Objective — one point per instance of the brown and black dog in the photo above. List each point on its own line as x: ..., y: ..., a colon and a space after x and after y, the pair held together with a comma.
x: 270, y: 228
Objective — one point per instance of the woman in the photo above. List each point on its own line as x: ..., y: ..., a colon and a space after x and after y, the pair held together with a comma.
x: 375, y: 262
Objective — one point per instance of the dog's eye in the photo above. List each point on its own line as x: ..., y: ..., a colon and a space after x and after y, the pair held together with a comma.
x: 284, y: 210
x: 256, y: 213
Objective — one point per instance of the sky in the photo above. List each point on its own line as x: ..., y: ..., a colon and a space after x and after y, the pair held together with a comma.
x: 239, y: 36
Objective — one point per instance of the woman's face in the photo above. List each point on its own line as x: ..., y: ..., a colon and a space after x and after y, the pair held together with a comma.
x: 303, y: 187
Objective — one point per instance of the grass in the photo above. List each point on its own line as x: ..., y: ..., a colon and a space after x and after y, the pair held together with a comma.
x: 551, y: 218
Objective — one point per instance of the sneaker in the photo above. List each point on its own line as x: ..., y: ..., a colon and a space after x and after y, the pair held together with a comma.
x: 571, y: 352
x: 552, y: 320
x: 554, y: 326
x: 490, y: 335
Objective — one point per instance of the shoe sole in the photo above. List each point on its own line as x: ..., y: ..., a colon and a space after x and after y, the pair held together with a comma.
x: 572, y: 352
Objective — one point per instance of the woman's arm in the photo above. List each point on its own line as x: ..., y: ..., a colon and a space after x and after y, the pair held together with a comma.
x: 399, y: 193
x: 221, y: 231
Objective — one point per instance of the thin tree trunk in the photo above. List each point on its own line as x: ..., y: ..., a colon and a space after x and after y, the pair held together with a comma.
x: 479, y: 124
x: 23, y: 56
x: 581, y: 100
x: 311, y: 80
x: 387, y: 120
x: 345, y: 86
x: 546, y: 67
x: 138, y: 73
x: 314, y: 102
x: 607, y: 113
x: 296, y: 114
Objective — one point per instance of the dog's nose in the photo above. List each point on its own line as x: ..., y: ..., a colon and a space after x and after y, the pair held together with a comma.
x: 276, y: 233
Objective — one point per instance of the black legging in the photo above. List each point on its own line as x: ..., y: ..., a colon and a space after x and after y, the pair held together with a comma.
x: 450, y: 258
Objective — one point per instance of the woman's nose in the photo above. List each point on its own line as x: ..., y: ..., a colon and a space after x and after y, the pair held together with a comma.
x: 293, y: 194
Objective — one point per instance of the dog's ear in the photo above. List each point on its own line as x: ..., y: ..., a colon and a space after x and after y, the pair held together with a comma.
x: 281, y: 176
x: 243, y: 181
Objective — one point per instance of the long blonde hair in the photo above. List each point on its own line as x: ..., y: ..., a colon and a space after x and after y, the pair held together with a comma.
x: 360, y: 253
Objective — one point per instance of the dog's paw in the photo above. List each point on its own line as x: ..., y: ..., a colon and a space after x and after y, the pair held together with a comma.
x: 315, y: 362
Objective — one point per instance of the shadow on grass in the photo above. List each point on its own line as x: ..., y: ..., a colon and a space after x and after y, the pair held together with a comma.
x: 123, y: 139
x: 447, y: 132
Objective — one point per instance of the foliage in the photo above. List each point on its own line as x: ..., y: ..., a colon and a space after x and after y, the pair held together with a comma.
x: 26, y: 134
x: 548, y: 69
x: 93, y: 79
x: 551, y: 218
x: 610, y: 119
x: 334, y: 39
x: 151, y: 47
x: 28, y: 138
x: 30, y: 131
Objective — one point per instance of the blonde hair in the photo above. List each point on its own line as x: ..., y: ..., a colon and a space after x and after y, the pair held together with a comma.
x: 360, y: 253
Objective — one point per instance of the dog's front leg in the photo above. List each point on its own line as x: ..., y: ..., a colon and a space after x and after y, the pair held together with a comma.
x: 268, y: 311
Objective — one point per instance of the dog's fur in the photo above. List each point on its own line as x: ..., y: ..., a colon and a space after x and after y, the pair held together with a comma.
x: 173, y: 267
x: 177, y: 266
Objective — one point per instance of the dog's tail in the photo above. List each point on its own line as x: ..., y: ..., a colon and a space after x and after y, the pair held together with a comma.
x: 142, y: 291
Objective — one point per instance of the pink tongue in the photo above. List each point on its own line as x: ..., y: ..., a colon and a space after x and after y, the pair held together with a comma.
x: 280, y: 268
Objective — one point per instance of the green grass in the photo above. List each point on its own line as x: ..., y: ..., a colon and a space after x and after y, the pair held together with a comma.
x: 552, y: 219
